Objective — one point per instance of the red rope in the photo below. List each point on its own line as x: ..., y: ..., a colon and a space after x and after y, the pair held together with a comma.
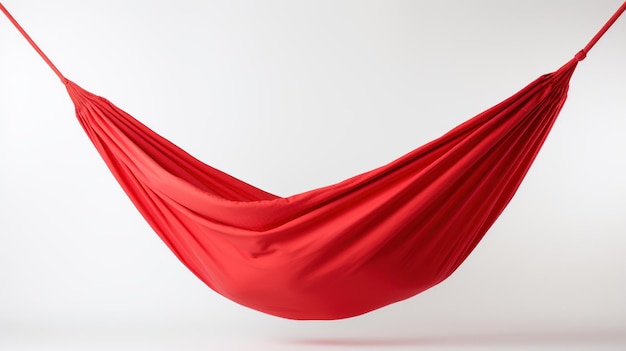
x: 32, y: 43
x: 583, y: 53
x: 579, y: 56
x: 606, y: 27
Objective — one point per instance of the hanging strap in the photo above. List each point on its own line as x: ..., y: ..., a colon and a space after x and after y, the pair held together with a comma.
x: 583, y: 53
x: 32, y: 43
x: 579, y: 56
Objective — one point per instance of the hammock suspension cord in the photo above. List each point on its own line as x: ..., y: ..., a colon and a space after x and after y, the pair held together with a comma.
x: 33, y: 44
x: 579, y: 56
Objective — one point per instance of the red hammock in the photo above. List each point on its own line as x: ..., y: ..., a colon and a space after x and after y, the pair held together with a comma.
x: 345, y: 249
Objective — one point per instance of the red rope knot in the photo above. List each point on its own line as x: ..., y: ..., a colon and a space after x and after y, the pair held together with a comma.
x: 581, y: 55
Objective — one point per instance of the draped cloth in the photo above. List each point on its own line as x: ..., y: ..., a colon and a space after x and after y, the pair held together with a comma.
x: 344, y: 249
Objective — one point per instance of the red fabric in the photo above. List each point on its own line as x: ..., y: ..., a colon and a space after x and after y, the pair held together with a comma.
x: 339, y: 251
x: 342, y: 250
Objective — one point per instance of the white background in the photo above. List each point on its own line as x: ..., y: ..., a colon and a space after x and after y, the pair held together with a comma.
x: 289, y: 96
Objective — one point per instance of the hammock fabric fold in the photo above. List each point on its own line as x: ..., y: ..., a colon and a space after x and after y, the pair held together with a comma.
x: 345, y: 249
